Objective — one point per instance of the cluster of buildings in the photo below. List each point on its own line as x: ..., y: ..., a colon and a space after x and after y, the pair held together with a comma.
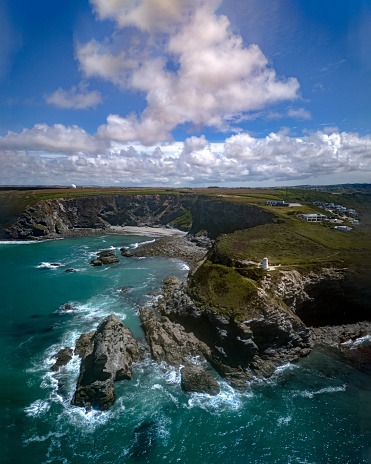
x: 332, y: 208
x: 342, y: 214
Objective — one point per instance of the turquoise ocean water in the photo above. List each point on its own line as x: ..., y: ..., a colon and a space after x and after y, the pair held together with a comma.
x: 317, y: 411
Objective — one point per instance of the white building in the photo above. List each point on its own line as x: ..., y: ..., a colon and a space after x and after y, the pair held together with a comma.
x: 313, y: 217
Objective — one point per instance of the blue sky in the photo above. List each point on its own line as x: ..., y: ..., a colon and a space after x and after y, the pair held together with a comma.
x: 185, y: 92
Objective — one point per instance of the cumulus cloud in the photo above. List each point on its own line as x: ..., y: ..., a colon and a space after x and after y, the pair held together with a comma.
x: 241, y: 159
x: 214, y: 79
x: 148, y: 15
x: 97, y: 60
x: 54, y: 139
x: 74, y: 98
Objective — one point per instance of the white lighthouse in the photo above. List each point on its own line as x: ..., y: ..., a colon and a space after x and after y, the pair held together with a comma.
x: 265, y: 265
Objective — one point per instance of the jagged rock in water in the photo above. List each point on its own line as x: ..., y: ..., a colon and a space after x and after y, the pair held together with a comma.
x: 105, y: 257
x: 125, y: 252
x: 68, y: 307
x: 196, y: 379
x: 107, y: 358
x: 125, y: 289
x: 63, y: 356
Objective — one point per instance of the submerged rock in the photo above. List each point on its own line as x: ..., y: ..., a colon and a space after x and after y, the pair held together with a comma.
x: 144, y: 439
x: 196, y: 379
x: 107, y: 357
x: 63, y: 356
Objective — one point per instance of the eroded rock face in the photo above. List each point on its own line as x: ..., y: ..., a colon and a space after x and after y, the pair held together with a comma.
x: 196, y: 379
x: 239, y: 350
x: 169, y: 341
x: 107, y: 356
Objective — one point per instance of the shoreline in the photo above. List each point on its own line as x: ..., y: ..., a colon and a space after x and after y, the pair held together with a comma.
x: 118, y: 230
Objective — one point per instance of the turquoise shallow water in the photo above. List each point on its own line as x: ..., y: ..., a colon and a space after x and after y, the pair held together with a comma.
x: 318, y: 411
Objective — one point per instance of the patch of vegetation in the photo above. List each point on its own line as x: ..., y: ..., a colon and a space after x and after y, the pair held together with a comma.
x: 297, y: 243
x: 222, y: 288
x: 184, y: 221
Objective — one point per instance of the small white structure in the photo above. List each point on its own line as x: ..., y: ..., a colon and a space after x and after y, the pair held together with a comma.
x: 343, y: 228
x: 73, y: 186
x: 265, y: 265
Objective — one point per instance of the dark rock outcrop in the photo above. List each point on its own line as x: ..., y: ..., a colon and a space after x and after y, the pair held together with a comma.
x: 169, y: 341
x: 107, y: 357
x: 105, y: 257
x: 196, y: 379
x: 63, y: 356
x: 125, y: 252
x: 239, y: 350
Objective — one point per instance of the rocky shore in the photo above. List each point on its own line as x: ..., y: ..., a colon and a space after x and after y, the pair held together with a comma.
x: 186, y: 248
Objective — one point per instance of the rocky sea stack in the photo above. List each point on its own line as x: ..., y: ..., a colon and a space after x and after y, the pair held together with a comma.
x: 107, y: 356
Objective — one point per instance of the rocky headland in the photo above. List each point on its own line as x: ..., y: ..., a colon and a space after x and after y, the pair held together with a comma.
x: 229, y: 316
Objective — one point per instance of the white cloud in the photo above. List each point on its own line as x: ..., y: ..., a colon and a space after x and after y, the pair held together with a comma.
x: 299, y: 113
x: 54, y: 139
x: 96, y: 60
x: 241, y: 159
x: 76, y: 98
x: 148, y: 15
x: 218, y: 78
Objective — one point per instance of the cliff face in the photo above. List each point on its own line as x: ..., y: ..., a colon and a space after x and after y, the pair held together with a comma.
x: 59, y: 216
x: 218, y: 216
x: 268, y: 334
x: 325, y: 297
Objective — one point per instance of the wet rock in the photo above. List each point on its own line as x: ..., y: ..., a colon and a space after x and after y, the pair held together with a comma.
x: 125, y: 289
x: 196, y: 379
x: 68, y: 307
x: 107, y: 358
x: 71, y: 270
x: 125, y: 252
x: 63, y: 356
x: 105, y: 257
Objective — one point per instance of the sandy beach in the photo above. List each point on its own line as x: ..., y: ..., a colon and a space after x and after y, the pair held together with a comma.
x: 152, y: 231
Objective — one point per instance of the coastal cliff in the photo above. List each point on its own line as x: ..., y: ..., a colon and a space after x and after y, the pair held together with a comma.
x: 197, y: 214
x: 244, y: 321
